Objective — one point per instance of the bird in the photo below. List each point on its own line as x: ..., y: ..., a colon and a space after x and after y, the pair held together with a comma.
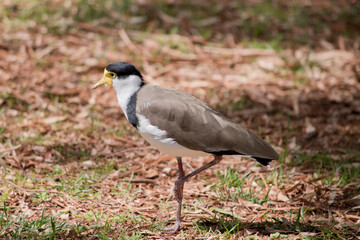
x: 179, y: 124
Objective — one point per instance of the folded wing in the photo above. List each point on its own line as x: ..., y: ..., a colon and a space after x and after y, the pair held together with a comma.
x: 196, y: 125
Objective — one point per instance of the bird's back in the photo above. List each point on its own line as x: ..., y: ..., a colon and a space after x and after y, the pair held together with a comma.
x: 194, y: 124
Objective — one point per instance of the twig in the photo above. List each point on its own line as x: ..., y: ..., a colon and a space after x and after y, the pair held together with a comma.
x: 132, y: 149
x: 333, y: 193
x: 125, y: 37
x: 14, y: 152
x: 48, y: 191
x: 10, y: 149
x: 125, y: 140
x: 263, y: 179
x: 353, y: 216
x: 17, y: 186
x: 239, y: 51
x: 177, y: 55
x: 58, y: 203
x: 129, y: 180
x: 276, y: 180
x: 189, y: 166
x: 138, y: 180
x: 204, y: 209
x: 247, y: 208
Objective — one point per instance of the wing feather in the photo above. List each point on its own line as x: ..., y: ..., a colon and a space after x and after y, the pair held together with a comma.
x: 196, y: 125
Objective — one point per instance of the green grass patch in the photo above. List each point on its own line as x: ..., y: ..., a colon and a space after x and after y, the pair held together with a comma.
x: 246, y: 20
x: 228, y: 225
x: 230, y: 185
x: 19, y: 227
x: 274, y: 44
x: 333, y: 171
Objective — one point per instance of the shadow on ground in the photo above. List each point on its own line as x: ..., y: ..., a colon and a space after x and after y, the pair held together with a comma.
x: 275, y: 227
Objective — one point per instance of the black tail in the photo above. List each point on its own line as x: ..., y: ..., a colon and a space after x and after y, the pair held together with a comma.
x: 263, y: 161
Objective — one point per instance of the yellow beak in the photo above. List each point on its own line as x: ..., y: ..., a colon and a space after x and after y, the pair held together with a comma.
x: 105, y: 80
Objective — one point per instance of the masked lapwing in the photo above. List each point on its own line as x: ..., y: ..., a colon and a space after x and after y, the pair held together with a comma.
x: 181, y: 125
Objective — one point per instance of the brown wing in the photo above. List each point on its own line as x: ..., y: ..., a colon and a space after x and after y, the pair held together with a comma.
x: 196, y: 125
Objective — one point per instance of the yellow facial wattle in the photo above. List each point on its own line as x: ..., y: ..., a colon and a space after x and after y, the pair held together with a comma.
x: 107, y: 79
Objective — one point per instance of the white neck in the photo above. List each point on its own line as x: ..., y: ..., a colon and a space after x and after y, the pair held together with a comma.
x: 125, y: 88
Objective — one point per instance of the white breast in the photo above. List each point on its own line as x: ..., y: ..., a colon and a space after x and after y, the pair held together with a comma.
x: 158, y: 138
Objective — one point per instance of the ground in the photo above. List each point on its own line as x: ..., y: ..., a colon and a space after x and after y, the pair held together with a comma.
x: 72, y: 167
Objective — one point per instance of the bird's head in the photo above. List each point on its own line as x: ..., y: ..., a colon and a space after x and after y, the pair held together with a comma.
x: 119, y: 74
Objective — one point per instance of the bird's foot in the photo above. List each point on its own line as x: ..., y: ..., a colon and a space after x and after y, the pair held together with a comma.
x: 173, y: 229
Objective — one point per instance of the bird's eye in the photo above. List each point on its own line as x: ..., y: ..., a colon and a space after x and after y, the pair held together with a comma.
x: 112, y: 75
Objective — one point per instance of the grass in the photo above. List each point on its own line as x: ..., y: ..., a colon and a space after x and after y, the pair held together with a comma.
x: 19, y: 227
x: 74, y: 178
x: 229, y: 225
x: 274, y: 44
x: 331, y: 171
x: 254, y: 18
x: 11, y: 101
x: 78, y: 188
x: 229, y: 185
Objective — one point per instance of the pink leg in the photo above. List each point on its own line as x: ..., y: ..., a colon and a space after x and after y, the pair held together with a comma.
x: 179, y: 185
x: 178, y: 193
